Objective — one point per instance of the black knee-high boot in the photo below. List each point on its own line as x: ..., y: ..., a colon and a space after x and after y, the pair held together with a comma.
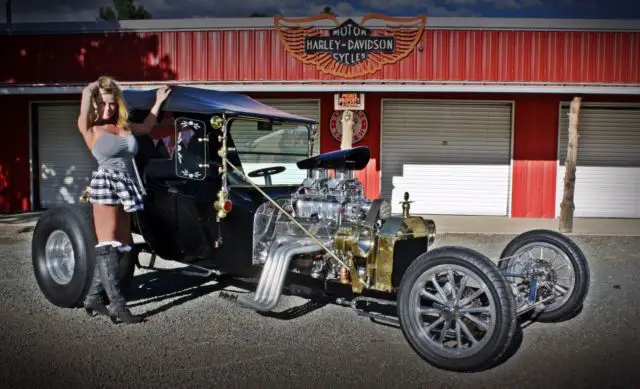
x: 107, y: 261
x: 93, y: 302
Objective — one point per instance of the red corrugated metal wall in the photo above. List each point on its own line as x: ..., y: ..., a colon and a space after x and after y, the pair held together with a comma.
x: 14, y: 155
x: 534, y: 156
x: 442, y: 55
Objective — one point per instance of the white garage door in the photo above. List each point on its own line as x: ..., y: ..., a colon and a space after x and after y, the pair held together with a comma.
x: 452, y: 157
x: 64, y: 162
x: 608, y: 167
x: 282, y: 140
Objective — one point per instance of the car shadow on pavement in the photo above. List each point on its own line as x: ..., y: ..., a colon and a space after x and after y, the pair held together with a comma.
x: 170, y: 284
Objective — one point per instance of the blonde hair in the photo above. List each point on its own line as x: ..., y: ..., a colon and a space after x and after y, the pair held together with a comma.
x: 108, y: 85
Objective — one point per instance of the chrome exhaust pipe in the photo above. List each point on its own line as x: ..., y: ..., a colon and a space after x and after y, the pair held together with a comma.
x: 273, y: 274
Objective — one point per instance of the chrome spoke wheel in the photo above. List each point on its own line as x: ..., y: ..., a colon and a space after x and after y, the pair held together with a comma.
x: 59, y: 257
x: 550, y: 267
x: 455, y: 312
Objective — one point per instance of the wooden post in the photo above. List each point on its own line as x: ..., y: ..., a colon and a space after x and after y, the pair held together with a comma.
x: 567, y: 206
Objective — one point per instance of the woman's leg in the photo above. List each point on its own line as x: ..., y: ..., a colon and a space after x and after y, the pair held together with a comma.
x: 108, y: 252
x: 104, y: 218
x: 124, y: 229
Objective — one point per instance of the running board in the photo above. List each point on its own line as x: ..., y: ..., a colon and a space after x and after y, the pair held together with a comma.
x: 276, y: 267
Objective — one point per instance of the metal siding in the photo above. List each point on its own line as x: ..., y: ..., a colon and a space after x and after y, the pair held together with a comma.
x: 257, y: 55
x: 452, y: 157
x: 14, y: 155
x: 534, y: 156
x: 608, y: 166
x: 64, y: 162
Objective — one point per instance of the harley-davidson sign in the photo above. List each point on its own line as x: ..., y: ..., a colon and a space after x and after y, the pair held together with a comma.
x: 350, y: 49
x: 349, y: 44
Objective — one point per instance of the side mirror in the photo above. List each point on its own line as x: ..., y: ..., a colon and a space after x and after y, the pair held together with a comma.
x: 191, y: 148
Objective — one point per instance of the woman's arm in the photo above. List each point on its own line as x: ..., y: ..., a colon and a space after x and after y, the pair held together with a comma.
x: 145, y: 127
x: 85, y: 108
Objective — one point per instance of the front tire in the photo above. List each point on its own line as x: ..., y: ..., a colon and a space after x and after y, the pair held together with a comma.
x: 566, y: 272
x: 469, y: 297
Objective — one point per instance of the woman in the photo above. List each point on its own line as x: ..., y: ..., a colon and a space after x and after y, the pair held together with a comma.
x: 104, y: 125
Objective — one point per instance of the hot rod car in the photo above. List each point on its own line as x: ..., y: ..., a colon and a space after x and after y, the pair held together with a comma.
x: 242, y: 193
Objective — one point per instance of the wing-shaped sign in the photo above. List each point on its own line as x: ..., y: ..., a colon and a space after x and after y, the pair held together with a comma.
x: 350, y: 49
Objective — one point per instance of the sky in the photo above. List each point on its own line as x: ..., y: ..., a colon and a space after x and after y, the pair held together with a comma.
x: 84, y: 10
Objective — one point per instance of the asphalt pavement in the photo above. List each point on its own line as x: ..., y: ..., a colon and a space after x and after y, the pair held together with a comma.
x: 195, y: 339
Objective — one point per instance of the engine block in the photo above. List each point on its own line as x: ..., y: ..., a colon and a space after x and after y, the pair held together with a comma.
x: 338, y: 199
x: 321, y: 205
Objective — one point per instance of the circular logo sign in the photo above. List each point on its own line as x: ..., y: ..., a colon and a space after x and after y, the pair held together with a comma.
x: 360, y: 126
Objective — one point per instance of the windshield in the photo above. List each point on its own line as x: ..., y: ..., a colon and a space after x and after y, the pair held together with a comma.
x: 260, y: 145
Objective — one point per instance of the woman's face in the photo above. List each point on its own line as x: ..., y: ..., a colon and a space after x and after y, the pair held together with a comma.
x: 108, y: 107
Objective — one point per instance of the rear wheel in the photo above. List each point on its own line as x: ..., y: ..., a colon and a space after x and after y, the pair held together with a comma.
x: 559, y: 267
x: 456, y: 310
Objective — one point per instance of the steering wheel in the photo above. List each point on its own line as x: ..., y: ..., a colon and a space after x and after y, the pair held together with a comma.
x: 266, y: 173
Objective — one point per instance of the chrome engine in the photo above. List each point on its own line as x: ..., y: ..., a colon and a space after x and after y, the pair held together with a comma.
x: 327, y: 229
x: 323, y: 205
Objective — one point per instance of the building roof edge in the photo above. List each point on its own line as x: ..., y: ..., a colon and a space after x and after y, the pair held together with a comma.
x: 267, y: 23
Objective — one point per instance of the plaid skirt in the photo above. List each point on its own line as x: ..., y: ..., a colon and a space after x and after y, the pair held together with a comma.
x: 113, y: 187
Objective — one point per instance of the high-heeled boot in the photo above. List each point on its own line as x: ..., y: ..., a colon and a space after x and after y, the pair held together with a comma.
x: 107, y: 262
x: 93, y: 302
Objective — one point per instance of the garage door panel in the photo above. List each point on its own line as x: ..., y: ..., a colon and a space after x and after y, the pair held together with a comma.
x: 65, y: 163
x: 453, y: 157
x: 608, y: 165
x: 441, y: 189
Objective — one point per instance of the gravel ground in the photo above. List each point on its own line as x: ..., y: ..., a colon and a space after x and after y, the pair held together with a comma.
x: 196, y: 339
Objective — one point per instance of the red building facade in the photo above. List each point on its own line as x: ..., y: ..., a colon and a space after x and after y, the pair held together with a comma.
x: 459, y: 111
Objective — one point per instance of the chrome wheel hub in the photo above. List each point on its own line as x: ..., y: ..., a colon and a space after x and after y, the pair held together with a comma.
x: 551, y: 268
x: 59, y: 257
x: 454, y: 310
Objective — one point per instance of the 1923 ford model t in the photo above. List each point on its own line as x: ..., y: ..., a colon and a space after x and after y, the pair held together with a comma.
x: 311, y: 225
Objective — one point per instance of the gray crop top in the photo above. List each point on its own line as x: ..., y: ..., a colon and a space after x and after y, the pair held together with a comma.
x: 115, y: 152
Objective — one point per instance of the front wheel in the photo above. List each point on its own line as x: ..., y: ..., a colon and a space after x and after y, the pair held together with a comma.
x: 456, y: 310
x: 558, y: 267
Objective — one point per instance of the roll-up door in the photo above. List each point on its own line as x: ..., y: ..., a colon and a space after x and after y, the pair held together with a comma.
x: 65, y: 163
x: 285, y: 139
x: 608, y: 167
x: 453, y: 157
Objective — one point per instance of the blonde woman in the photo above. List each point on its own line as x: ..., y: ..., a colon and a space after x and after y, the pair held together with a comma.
x: 114, y: 194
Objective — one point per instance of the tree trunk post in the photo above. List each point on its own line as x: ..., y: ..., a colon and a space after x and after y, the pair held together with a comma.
x: 567, y: 205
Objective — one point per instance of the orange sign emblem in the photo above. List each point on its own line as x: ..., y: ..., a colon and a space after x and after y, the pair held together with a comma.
x: 350, y: 49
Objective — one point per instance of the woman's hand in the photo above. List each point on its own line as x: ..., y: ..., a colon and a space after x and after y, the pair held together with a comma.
x: 89, y: 88
x: 162, y: 94
x: 145, y: 127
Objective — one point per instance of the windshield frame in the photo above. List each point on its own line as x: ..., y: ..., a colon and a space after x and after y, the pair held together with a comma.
x: 239, y: 153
